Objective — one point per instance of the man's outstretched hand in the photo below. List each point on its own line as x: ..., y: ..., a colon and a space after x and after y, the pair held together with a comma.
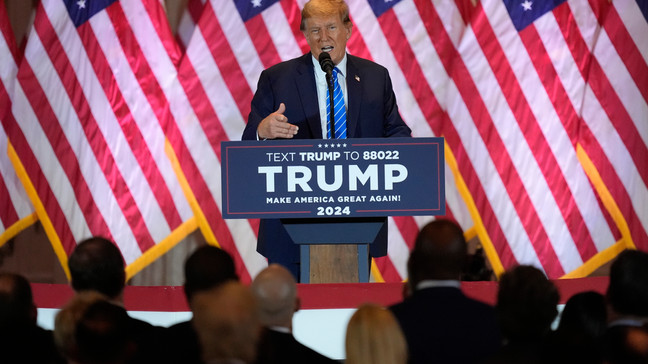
x: 276, y: 125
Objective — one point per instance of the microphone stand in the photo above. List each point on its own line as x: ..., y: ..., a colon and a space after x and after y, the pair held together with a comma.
x: 329, y: 82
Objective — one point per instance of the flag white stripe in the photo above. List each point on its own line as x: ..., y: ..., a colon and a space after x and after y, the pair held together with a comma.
x: 239, y: 40
x: 522, y: 158
x: 43, y: 152
x: 623, y: 83
x: 636, y: 24
x: 503, y: 208
x: 111, y: 130
x: 213, y: 83
x: 554, y: 133
x: 381, y: 52
x: 280, y: 32
x: 44, y: 70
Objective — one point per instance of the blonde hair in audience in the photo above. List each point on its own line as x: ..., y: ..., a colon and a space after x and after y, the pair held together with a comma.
x: 68, y: 317
x: 374, y: 337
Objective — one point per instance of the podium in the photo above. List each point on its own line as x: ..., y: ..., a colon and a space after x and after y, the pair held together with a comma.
x: 333, y: 196
x: 334, y: 250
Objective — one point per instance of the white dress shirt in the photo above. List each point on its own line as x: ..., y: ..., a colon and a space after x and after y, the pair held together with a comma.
x: 322, y: 87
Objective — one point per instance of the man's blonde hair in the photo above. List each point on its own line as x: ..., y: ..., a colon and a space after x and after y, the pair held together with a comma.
x: 324, y: 8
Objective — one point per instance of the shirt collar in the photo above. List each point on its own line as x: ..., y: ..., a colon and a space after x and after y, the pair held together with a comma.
x: 281, y: 329
x: 342, y: 66
x: 432, y: 283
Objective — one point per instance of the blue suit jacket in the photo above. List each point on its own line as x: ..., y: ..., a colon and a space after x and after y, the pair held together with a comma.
x: 371, y: 113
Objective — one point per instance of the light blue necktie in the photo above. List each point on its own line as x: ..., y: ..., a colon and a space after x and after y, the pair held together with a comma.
x: 338, y: 108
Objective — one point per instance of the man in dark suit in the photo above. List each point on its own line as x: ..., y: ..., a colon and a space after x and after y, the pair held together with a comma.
x: 441, y: 324
x: 206, y: 268
x: 21, y: 339
x: 626, y: 337
x: 290, y: 102
x: 275, y: 290
x: 96, y: 265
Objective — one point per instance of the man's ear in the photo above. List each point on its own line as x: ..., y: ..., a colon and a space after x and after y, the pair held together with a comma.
x: 297, y: 304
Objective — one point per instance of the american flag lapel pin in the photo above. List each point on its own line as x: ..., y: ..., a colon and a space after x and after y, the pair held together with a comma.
x: 357, y: 78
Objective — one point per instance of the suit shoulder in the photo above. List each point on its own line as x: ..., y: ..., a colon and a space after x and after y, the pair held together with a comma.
x: 287, y: 66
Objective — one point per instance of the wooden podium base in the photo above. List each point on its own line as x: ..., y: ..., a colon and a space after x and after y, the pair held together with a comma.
x: 334, y: 263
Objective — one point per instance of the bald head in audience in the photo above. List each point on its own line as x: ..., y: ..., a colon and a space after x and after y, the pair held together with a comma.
x: 227, y: 323
x: 276, y: 292
x: 439, y: 252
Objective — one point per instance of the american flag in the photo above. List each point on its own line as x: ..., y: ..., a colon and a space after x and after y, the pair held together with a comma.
x: 543, y: 105
x: 90, y: 127
x: 16, y: 212
x: 537, y: 169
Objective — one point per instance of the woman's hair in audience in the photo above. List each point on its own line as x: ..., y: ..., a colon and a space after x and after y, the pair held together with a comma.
x: 526, y: 303
x: 65, y: 323
x: 374, y: 337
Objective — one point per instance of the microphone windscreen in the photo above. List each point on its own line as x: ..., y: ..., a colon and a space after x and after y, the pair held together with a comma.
x: 326, y: 62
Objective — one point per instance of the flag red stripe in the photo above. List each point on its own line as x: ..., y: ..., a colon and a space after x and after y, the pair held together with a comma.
x: 199, y: 100
x: 623, y: 43
x: 592, y: 72
x: 65, y: 155
x: 357, y: 46
x: 412, y: 71
x: 40, y: 183
x: 483, y: 205
x: 408, y: 228
x: 262, y: 41
x: 551, y: 82
x: 8, y: 213
x: 93, y: 134
x: 615, y: 186
x: 160, y: 23
x: 134, y: 137
x: 208, y: 204
x: 5, y: 28
x: 456, y: 68
x: 293, y: 14
x: 195, y: 8
x: 210, y: 124
x: 528, y: 124
x: 387, y: 269
x: 226, y: 62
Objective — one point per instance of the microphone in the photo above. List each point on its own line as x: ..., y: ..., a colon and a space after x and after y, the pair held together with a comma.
x: 326, y: 63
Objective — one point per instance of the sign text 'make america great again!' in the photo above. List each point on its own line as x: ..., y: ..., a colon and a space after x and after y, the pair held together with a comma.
x: 327, y: 178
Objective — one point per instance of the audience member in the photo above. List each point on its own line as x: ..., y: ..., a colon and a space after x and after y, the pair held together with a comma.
x: 67, y: 318
x: 527, y: 304
x: 227, y: 323
x: 373, y: 336
x: 438, y: 320
x: 91, y: 330
x: 276, y: 292
x: 207, y: 267
x: 103, y: 335
x: 626, y: 338
x: 21, y: 339
x: 96, y: 264
x: 582, y: 324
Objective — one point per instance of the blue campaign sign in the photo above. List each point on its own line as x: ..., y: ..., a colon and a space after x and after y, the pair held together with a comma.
x: 333, y: 178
